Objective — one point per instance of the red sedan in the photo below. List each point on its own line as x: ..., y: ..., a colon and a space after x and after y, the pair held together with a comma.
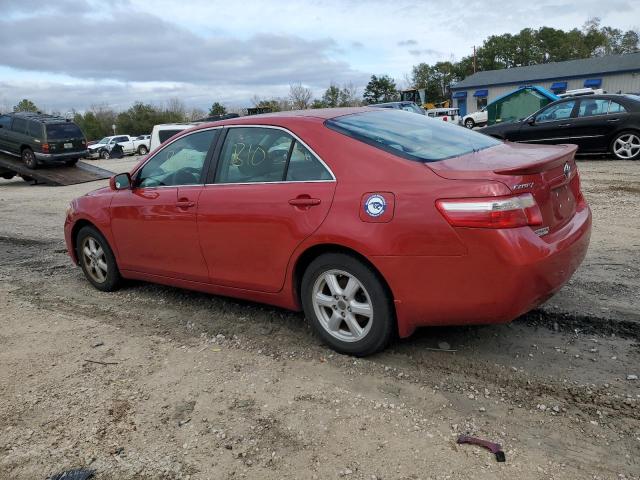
x: 372, y: 221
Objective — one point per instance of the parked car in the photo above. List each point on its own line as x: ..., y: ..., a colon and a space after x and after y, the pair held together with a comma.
x: 407, y: 106
x: 130, y: 146
x: 164, y: 131
x: 476, y: 119
x: 38, y: 138
x: 595, y: 123
x: 372, y: 221
x: 446, y: 114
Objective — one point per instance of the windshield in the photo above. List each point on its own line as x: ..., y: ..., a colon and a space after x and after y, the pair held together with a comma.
x: 414, y: 137
x: 104, y: 140
x: 62, y: 131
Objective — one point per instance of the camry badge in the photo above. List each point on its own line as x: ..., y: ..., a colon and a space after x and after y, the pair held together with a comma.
x: 523, y: 185
x: 566, y: 170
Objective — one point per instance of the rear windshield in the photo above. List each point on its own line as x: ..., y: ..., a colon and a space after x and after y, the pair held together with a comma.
x: 62, y: 131
x: 410, y: 136
x: 166, y: 134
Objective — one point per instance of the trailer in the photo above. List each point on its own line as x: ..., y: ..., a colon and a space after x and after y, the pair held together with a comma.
x: 51, y: 175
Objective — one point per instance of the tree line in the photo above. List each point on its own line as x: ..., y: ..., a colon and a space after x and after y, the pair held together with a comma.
x: 527, y: 47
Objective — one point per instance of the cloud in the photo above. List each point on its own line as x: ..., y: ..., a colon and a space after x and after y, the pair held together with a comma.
x: 426, y: 52
x: 124, y: 48
x: 406, y: 43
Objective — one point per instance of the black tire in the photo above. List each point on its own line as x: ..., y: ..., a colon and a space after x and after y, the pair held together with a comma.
x: 469, y: 123
x: 71, y: 163
x: 622, y: 136
x: 382, y: 328
x: 112, y: 278
x: 27, y: 178
x: 142, y: 150
x: 8, y: 175
x: 105, y: 155
x: 29, y: 159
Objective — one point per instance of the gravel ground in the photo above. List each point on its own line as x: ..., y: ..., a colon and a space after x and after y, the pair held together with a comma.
x: 202, y: 387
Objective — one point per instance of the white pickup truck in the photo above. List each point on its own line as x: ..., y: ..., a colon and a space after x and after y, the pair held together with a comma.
x: 130, y: 146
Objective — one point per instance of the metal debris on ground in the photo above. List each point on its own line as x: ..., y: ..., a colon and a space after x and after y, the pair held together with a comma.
x: 76, y: 474
x: 494, y: 448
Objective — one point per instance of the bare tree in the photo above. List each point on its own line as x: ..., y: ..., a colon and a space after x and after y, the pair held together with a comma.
x: 349, y: 96
x: 196, y: 114
x: 176, y: 107
x: 300, y: 96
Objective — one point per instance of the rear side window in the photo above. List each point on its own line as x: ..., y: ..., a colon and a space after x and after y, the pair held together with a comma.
x: 35, y: 129
x: 165, y: 135
x: 304, y: 166
x: 63, y: 131
x: 615, y: 107
x: 252, y: 155
x: 410, y: 136
x: 590, y: 107
x: 19, y: 125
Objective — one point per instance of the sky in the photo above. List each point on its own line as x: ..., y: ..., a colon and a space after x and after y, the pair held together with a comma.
x: 72, y: 54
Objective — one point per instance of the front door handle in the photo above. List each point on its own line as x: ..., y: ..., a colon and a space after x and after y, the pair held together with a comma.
x: 565, y: 125
x: 613, y: 120
x: 305, y: 201
x: 185, y: 204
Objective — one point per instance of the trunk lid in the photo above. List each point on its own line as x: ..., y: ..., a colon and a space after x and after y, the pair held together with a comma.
x: 549, y: 173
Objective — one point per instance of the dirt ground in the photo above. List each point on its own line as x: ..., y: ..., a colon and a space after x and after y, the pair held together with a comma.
x: 202, y: 387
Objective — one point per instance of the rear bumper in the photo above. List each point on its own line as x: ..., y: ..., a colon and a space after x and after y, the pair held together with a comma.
x: 59, y: 157
x: 505, y: 274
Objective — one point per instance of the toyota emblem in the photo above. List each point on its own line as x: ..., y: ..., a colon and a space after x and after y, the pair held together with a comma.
x: 566, y: 170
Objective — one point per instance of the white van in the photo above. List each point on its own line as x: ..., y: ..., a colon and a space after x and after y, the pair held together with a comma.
x: 165, y: 131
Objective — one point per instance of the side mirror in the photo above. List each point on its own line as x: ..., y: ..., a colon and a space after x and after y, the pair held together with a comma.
x: 531, y: 120
x: 122, y: 181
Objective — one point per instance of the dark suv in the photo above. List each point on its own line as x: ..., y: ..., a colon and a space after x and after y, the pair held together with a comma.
x: 39, y: 138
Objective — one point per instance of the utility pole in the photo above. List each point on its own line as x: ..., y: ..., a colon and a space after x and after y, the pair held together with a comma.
x: 474, y: 59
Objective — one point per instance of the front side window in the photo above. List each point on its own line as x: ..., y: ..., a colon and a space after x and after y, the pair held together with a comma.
x: 414, y: 137
x: 179, y: 163
x: 481, y: 103
x: 590, y: 107
x: 561, y: 111
x: 252, y: 155
x: 5, y: 121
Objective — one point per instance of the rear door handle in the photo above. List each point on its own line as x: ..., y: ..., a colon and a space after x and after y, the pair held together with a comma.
x: 185, y: 204
x: 565, y: 125
x: 304, y: 202
x: 613, y: 120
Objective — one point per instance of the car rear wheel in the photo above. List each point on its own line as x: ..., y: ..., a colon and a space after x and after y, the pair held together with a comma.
x: 71, y: 163
x: 347, y: 304
x: 469, y: 123
x: 29, y: 159
x: 142, y: 150
x: 105, y: 155
x: 626, y: 146
x: 97, y: 260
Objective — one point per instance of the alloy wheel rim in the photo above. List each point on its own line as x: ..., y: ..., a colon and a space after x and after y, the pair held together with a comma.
x: 95, y: 260
x: 627, y: 146
x: 342, y: 305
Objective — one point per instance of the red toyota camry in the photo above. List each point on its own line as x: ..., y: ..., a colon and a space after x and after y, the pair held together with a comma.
x: 372, y: 221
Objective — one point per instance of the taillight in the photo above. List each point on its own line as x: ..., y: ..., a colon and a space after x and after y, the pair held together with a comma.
x: 444, y: 118
x: 498, y: 212
x: 45, y: 147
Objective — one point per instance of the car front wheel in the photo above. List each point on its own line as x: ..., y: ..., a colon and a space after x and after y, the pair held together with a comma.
x: 626, y: 146
x: 347, y: 304
x: 105, y: 155
x: 97, y: 260
x: 469, y: 123
x: 142, y: 150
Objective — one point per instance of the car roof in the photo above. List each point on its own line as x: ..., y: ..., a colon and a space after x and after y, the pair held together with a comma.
x: 40, y: 117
